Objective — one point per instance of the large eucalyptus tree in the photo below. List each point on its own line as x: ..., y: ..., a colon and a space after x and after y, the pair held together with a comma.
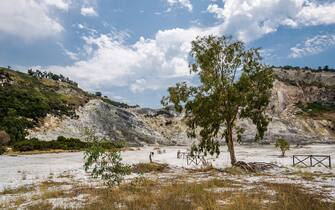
x: 234, y: 84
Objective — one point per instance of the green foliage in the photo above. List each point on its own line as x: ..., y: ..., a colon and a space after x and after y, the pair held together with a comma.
x: 4, y: 138
x: 283, y: 145
x: 27, y: 99
x: 2, y: 149
x: 316, y: 108
x: 118, y: 104
x: 50, y: 75
x: 319, y: 69
x: 211, y: 109
x: 102, y: 163
x: 61, y: 143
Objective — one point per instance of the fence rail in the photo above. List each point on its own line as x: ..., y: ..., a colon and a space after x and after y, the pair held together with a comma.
x: 312, y: 160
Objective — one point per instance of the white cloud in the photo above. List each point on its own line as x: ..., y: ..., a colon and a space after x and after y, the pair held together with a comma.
x: 30, y: 19
x: 183, y: 3
x: 60, y: 4
x: 249, y: 20
x: 88, y: 11
x: 317, y: 14
x: 313, y: 45
x: 149, y: 64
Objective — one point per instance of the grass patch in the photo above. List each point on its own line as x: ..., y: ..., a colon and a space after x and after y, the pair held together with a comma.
x: 41, y: 206
x: 149, y: 167
x: 155, y: 195
x: 203, y: 169
x: 290, y: 196
x: 233, y: 170
x: 306, y: 175
x: 311, y: 176
x: 19, y: 190
x: 143, y: 193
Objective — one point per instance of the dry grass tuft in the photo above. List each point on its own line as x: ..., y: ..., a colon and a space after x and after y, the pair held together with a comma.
x: 233, y: 170
x: 144, y: 193
x: 311, y: 176
x: 148, y: 194
x: 41, y: 206
x: 19, y: 190
x: 209, y: 168
x: 291, y: 196
x: 149, y: 167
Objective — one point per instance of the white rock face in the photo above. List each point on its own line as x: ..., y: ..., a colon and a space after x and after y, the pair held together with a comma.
x: 107, y: 120
x: 292, y: 87
x: 141, y: 126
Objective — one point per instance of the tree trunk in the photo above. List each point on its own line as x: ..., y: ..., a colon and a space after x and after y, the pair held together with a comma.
x: 283, y: 153
x: 230, y: 144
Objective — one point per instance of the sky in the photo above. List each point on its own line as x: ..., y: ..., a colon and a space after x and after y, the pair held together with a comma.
x: 132, y: 50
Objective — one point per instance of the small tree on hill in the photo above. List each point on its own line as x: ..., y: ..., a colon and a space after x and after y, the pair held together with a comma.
x: 99, y: 94
x: 283, y: 145
x: 233, y: 84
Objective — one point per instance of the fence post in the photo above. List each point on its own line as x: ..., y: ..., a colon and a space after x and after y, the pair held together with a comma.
x: 293, y: 160
x: 311, y: 160
x: 330, y: 162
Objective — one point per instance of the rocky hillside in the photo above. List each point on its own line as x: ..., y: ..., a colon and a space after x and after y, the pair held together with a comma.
x: 302, y: 107
x: 302, y: 110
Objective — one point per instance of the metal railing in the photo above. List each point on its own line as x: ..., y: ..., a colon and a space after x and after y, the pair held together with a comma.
x: 312, y: 160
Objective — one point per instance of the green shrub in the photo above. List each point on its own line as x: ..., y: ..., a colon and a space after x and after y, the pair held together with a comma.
x: 71, y: 143
x: 4, y: 138
x: 29, y: 99
x: 2, y: 149
x: 283, y: 145
x: 62, y: 143
x: 315, y: 108
x: 103, y: 163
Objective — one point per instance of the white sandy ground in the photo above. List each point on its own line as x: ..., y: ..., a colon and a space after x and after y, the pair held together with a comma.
x: 21, y: 170
x: 29, y: 169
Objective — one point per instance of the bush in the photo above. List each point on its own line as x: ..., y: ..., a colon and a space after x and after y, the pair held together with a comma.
x: 61, y: 143
x: 316, y: 108
x: 98, y: 94
x: 102, y: 163
x: 71, y: 143
x: 4, y: 138
x: 2, y: 149
x: 283, y: 145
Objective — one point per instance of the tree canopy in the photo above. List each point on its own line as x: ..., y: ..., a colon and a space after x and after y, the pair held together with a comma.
x: 233, y: 84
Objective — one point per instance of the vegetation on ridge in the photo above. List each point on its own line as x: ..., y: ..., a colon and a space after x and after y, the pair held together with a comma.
x: 316, y: 108
x: 25, y: 99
